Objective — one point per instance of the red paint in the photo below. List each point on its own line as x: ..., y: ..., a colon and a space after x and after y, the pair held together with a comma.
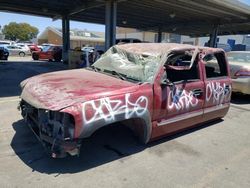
x: 61, y: 89
x: 53, y: 53
x: 34, y: 48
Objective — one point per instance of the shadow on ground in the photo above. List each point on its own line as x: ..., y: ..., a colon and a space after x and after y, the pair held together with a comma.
x: 106, y: 145
x: 12, y: 73
x: 238, y: 98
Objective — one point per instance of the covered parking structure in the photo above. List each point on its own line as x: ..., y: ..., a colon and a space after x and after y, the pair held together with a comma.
x: 186, y: 17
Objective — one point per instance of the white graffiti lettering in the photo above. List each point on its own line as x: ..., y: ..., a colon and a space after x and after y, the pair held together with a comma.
x: 181, y: 99
x: 107, y: 109
x: 217, y: 92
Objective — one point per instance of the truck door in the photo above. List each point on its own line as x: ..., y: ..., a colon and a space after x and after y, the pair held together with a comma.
x: 217, y: 85
x: 182, y: 96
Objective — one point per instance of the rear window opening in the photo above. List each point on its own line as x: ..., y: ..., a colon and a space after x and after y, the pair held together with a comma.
x: 178, y: 67
x: 215, y: 65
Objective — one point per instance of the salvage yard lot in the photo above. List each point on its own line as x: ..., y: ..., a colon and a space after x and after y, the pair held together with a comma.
x: 214, y: 155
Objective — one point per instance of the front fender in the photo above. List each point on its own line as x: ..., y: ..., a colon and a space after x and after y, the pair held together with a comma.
x: 93, y: 126
x: 92, y: 115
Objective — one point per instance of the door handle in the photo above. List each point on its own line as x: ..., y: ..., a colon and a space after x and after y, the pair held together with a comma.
x: 197, y: 92
x: 227, y: 89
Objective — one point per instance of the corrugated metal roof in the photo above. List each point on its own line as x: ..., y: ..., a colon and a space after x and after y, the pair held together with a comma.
x: 188, y: 17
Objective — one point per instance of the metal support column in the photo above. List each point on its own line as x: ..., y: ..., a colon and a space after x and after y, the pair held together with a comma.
x: 65, y: 39
x: 110, y: 23
x: 159, y: 35
x: 213, y: 37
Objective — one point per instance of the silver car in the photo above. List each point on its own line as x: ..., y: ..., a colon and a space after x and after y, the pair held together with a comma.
x: 17, y: 50
x: 239, y: 62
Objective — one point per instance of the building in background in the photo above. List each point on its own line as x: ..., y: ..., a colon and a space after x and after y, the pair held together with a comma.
x: 78, y: 38
x: 175, y: 38
x: 239, y: 39
x: 146, y: 36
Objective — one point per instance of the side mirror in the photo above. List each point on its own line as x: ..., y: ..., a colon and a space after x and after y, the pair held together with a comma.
x: 166, y: 82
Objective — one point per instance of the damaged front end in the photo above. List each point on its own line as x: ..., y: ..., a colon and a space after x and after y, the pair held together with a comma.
x: 54, y: 129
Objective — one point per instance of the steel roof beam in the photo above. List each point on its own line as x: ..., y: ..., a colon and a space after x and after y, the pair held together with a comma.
x: 87, y: 5
x: 190, y: 16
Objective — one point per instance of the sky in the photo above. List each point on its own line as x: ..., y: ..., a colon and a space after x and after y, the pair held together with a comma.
x: 245, y: 1
x: 41, y: 22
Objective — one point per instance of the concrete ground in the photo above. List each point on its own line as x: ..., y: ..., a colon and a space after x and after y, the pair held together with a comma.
x: 18, y: 58
x: 214, y: 155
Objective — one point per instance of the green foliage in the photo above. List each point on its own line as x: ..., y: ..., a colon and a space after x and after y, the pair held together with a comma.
x: 19, y: 31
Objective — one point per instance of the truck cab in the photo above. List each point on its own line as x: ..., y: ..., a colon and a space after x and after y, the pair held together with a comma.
x: 154, y: 89
x: 193, y: 87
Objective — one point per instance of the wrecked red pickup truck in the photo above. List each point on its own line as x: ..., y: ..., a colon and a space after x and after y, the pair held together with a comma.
x: 155, y: 89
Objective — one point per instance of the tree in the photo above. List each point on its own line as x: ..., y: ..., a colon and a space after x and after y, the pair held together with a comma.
x: 19, y: 31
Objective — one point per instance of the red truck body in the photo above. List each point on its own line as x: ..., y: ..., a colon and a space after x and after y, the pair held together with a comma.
x: 183, y: 92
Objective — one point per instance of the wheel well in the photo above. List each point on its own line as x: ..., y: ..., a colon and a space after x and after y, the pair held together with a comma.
x: 22, y: 53
x: 35, y: 54
x: 138, y: 125
x: 140, y: 128
x: 141, y: 125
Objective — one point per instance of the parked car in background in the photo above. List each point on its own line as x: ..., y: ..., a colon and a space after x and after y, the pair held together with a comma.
x: 4, y: 53
x: 24, y: 46
x: 7, y: 42
x: 34, y: 47
x: 51, y: 53
x: 45, y: 45
x: 156, y: 89
x: 240, y: 70
x: 88, y: 48
x: 17, y: 50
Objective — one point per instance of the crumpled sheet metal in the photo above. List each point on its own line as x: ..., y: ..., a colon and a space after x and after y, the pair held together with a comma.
x: 141, y: 60
x: 159, y: 49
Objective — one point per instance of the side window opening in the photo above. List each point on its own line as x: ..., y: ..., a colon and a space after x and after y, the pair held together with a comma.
x: 177, y: 68
x: 215, y: 65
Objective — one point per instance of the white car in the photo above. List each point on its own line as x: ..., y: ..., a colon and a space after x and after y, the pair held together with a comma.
x: 88, y: 49
x: 239, y: 62
x: 17, y: 50
x: 25, y: 46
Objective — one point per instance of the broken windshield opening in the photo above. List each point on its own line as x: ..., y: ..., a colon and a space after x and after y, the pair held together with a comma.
x: 139, y: 67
